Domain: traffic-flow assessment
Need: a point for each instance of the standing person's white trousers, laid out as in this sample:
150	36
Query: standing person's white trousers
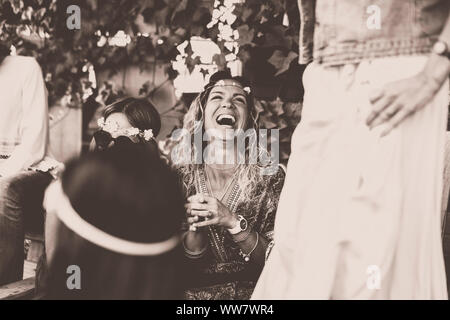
359	215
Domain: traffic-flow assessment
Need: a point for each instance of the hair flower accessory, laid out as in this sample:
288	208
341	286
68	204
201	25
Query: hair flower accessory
101	122
132	131
110	127
222	83
148	134
114	130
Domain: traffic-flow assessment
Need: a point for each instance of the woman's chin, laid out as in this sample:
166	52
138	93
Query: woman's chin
222	133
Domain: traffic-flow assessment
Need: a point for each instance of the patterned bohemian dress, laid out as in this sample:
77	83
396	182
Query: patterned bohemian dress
222	273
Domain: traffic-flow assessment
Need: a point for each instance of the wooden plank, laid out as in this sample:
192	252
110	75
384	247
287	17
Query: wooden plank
35	251
20	290
29	269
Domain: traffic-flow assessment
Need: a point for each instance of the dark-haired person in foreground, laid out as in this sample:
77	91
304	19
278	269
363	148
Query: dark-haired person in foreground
115	215
128	120
359	216
23	147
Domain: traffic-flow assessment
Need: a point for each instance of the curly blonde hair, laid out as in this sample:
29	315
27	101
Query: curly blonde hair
248	175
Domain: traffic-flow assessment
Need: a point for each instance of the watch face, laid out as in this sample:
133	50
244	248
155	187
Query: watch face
243	224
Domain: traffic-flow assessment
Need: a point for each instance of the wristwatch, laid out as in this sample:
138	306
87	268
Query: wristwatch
441	48
240	226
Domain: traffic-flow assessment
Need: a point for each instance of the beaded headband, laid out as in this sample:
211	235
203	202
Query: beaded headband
221	83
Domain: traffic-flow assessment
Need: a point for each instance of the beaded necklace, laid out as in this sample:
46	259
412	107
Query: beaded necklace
216	234
227	186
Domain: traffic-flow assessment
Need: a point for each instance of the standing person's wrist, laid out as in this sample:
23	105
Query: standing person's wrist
442	48
437	70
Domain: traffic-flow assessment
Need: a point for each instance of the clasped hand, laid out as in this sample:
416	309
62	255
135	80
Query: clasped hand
211	209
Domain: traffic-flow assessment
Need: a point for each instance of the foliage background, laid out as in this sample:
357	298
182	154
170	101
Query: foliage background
268	47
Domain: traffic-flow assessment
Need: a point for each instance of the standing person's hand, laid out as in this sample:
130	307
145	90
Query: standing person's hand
400	99
210	209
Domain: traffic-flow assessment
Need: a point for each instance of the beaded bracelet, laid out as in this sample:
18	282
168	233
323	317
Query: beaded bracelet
193	254
269	249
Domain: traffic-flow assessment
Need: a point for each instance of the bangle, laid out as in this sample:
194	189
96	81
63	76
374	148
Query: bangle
241	236
246	256
269	249
193	254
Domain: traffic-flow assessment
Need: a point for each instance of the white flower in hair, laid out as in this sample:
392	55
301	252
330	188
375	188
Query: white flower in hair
101	122
110	127
148	134
247	90
132	131
113	129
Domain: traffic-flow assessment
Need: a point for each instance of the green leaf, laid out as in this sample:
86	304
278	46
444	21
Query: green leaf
246	13
244	55
278	6
276	107
245	35
267	121
282	123
160	17
199	14
191	63
281	62
197	30
180	7
276	37
145	88
220	61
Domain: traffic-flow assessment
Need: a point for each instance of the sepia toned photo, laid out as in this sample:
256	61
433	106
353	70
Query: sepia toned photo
247	151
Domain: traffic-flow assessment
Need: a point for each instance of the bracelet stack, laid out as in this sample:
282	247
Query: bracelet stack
193	254
269	249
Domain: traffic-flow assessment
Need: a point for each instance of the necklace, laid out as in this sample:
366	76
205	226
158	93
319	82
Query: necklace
217	235
227	187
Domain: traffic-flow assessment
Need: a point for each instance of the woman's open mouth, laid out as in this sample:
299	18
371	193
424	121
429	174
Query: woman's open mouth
226	120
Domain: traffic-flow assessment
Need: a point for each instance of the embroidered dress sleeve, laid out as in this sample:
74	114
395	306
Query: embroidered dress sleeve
269	209
187	193
34	126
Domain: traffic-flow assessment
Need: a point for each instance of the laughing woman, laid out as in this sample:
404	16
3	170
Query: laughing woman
230	205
